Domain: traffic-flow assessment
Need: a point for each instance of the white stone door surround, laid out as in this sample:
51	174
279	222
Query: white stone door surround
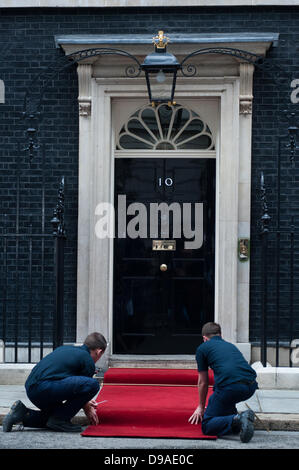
101	82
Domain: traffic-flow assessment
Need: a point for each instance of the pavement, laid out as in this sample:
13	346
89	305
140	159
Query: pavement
276	427
274	409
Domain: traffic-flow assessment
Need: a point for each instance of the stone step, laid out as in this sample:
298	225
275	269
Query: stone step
14	374
153	361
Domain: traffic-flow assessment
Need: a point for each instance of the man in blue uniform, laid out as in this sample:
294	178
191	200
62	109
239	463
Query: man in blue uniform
60	385
235	381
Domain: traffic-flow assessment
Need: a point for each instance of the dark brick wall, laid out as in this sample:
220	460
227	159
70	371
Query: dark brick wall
27	45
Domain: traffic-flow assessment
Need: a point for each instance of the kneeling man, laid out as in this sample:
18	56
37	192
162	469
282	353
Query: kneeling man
60	385
235	381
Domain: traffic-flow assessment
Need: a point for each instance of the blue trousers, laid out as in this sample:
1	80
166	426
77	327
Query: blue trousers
221	409
60	398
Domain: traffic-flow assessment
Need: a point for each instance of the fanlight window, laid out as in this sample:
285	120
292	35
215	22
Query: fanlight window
165	128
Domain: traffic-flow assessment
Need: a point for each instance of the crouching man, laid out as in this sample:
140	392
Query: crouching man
235	381
60	385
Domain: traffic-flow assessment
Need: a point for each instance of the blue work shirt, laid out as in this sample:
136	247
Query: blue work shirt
65	361
226	361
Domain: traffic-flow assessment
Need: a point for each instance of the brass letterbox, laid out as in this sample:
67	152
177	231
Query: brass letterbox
164	245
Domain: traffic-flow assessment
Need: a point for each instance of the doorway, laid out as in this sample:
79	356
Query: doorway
163	289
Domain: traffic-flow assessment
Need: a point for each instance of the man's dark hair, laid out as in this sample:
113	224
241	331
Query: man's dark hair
211	329
95	341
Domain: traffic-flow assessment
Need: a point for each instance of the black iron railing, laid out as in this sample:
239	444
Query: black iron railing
31	275
279	251
59	237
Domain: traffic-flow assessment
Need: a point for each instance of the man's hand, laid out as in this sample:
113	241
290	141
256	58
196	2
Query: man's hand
197	415
90	409
202	384
93	403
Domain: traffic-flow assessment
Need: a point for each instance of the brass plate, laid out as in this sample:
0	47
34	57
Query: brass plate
243	249
164	245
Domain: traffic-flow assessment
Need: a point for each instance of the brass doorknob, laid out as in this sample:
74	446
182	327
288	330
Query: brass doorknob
163	267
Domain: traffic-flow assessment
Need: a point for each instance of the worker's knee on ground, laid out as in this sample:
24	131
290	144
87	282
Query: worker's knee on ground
208	426
205	427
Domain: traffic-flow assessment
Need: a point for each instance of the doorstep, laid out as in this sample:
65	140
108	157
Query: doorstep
152	361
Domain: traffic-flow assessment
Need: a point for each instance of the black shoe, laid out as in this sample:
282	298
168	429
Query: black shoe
15	415
57	424
247	425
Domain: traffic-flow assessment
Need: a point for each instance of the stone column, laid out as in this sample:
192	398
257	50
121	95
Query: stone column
245	126
85	161
227	189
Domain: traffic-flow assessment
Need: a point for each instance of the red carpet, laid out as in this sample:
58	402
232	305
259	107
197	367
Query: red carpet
148	403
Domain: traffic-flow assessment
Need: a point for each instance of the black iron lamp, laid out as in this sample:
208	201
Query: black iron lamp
160	70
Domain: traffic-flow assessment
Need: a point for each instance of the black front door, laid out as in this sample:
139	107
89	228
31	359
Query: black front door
163	293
